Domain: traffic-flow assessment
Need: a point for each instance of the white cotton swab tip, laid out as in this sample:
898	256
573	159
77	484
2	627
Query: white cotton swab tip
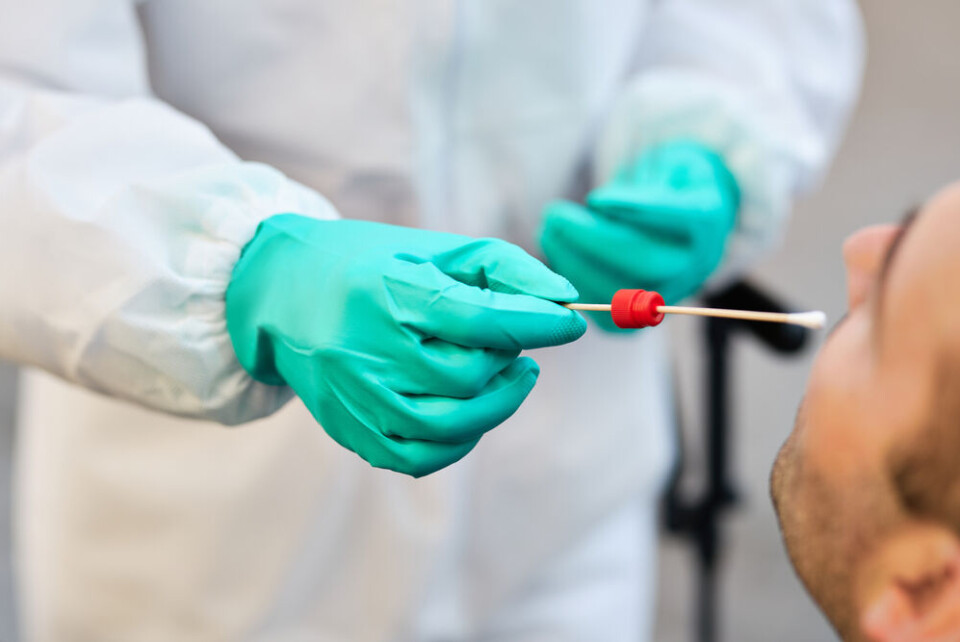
813	320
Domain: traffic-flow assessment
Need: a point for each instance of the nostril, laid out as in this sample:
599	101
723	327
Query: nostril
858	287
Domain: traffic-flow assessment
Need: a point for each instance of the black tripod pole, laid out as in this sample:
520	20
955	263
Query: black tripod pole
719	494
699	520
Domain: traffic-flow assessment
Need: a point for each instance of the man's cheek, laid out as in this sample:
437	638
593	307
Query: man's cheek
828	438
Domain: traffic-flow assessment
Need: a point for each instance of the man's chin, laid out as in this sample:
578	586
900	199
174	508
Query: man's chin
782	477
807	528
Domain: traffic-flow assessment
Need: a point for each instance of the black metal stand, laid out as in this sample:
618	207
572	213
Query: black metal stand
699	520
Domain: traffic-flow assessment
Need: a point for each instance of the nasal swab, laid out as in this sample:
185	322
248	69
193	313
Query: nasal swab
812	320
643	309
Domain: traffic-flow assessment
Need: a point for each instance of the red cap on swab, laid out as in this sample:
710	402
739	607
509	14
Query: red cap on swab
636	309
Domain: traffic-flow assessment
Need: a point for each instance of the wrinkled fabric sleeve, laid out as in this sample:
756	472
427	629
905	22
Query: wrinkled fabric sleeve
768	84
121	219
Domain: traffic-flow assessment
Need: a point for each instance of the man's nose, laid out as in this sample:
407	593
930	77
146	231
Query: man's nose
863	254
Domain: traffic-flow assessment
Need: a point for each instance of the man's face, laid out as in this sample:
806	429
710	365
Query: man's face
868	397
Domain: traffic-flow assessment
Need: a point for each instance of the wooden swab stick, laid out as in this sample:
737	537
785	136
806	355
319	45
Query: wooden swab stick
813	320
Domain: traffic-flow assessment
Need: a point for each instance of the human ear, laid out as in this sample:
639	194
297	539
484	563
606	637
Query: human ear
917	592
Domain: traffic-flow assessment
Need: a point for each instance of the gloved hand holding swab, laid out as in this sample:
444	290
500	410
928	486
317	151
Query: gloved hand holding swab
633	309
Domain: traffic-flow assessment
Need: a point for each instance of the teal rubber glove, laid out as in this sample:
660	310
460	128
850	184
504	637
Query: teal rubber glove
661	224
402	343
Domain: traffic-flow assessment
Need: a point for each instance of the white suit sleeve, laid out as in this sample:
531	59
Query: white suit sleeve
121	219
769	84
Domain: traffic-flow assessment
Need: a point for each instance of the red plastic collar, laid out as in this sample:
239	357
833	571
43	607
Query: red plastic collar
636	309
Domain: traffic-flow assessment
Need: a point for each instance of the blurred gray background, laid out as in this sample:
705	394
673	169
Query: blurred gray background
904	142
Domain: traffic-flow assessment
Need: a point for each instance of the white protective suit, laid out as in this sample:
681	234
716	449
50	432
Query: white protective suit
140	144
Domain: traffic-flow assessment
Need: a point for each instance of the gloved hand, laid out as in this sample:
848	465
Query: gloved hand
402	343
661	224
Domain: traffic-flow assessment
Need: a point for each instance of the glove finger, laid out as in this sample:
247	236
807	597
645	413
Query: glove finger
701	237
680	184
617	249
503	267
421	458
648	210
606	284
450	420
414	457
676	226
432	303
448	370
415	434
355	410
